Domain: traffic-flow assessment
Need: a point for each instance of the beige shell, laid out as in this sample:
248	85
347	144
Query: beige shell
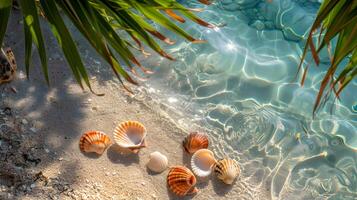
158	162
7	65
202	162
181	181
195	141
94	141
130	135
227	170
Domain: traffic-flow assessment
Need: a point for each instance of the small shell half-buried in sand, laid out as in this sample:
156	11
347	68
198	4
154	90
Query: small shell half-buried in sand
130	135
181	181
158	162
94	141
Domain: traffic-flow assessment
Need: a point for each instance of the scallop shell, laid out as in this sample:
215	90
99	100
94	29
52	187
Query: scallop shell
227	170
202	162
94	141
181	181
130	135
7	65
195	141
158	162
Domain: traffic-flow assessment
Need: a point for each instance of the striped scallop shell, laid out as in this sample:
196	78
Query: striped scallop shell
181	181
94	141
195	141
227	170
202	162
130	135
158	162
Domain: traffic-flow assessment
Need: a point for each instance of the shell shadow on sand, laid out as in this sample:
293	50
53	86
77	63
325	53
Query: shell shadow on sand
91	155
118	155
173	196
221	188
186	158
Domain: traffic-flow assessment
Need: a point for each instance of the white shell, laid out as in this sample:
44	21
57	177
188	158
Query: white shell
130	135
158	162
202	162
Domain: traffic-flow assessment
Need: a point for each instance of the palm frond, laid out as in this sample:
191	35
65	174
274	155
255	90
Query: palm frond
335	19
102	23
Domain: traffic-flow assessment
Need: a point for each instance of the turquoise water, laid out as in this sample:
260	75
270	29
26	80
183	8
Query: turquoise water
240	87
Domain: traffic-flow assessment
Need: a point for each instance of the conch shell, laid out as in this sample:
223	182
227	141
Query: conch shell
158	162
202	162
94	141
130	135
181	181
195	141
227	170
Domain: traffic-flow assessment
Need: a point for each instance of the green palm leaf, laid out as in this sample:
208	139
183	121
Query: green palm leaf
100	21
336	19
5	9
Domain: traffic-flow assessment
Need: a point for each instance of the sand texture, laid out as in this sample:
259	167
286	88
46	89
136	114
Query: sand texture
52	118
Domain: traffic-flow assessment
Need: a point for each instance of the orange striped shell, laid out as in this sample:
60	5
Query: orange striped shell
181	181
94	141
130	135
195	141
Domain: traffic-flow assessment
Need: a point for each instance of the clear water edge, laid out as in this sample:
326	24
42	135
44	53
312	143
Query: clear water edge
240	88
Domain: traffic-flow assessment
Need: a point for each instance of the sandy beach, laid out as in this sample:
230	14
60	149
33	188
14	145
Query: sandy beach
55	116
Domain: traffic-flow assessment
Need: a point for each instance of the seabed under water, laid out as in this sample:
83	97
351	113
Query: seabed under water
241	87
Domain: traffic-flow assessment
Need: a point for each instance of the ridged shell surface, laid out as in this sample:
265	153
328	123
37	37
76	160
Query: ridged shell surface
195	141
94	141
7	65
181	181
202	162
227	170
158	162
130	135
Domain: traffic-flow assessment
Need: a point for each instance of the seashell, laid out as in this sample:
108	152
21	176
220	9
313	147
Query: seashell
158	162
130	135
7	65
202	162
195	141
227	170
181	181
94	141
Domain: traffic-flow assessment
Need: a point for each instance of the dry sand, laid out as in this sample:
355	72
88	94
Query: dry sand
61	112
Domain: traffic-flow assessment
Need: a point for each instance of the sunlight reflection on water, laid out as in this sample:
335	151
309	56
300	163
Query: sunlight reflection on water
240	87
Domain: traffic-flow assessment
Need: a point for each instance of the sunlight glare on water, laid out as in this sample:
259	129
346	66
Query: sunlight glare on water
241	88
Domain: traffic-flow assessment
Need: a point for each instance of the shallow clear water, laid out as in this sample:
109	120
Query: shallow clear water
240	87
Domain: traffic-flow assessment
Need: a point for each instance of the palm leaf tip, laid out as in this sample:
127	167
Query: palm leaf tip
99	21
207	2
336	19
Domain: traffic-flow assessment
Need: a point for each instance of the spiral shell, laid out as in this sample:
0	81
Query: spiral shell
227	170
130	135
94	141
202	162
181	181
158	162
195	141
